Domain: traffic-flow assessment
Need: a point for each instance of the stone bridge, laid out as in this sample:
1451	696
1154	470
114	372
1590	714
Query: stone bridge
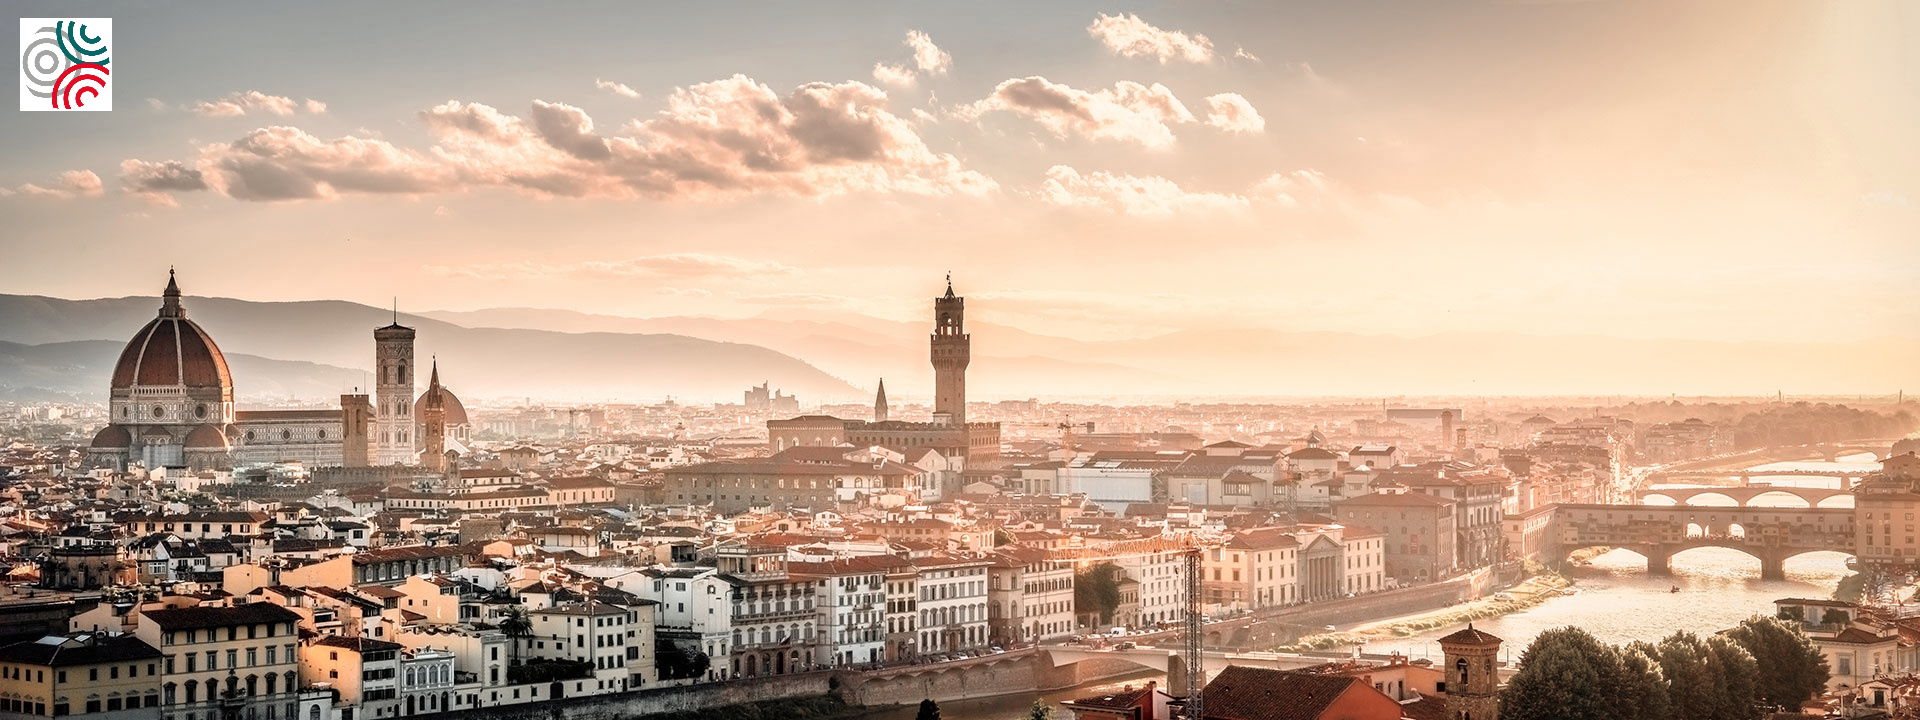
1658	532
1813	497
1848	478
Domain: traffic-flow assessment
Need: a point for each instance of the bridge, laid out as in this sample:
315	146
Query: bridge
1742	496
1851	477
1658	532
1169	661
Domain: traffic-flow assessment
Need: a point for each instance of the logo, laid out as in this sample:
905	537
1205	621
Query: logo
65	64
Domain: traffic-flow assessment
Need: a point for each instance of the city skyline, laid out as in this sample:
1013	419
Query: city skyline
1093	171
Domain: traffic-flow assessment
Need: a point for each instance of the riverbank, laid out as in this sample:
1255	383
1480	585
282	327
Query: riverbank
1532	591
816	708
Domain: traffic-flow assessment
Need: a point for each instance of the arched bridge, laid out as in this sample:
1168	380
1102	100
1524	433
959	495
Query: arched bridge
1813	497
1848	477
1658	532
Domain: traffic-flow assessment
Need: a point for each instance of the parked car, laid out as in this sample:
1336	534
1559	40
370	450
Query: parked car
1128	645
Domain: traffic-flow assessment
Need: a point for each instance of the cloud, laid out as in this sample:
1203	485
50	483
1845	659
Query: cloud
617	88
255	102
154	182
1129	112
1241	53
1884	197
927	56
899	75
720	140
65	186
286	163
677	266
1128	194
1129	36
1232	113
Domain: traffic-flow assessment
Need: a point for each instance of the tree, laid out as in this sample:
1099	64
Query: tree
1692	691
1790	668
1644	690
1040	711
929	710
1097	591
515	623
1565	674
1736	669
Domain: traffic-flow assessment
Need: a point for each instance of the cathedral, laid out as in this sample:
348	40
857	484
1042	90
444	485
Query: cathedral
171	405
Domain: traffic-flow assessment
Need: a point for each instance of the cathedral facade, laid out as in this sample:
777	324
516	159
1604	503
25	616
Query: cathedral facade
171	404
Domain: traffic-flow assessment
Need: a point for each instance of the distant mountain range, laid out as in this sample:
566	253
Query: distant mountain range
328	347
1009	362
317	349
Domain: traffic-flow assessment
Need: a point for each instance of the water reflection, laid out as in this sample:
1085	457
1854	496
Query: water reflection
1618	602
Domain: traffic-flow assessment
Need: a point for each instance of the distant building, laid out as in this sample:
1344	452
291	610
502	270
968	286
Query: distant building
949	432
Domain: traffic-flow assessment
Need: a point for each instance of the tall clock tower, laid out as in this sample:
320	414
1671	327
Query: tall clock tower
952	350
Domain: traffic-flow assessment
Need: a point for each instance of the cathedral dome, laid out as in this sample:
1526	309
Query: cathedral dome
172	351
456	414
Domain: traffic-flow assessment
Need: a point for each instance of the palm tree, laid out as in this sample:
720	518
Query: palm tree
515	623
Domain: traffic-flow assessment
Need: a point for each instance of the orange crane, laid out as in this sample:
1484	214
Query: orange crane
1190	548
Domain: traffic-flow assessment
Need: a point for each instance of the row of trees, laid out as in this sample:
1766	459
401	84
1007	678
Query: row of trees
1763	664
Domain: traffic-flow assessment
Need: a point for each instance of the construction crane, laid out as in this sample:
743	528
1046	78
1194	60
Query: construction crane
1190	549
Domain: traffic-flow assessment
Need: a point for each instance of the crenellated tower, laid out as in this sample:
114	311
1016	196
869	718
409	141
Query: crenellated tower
393	394
952	350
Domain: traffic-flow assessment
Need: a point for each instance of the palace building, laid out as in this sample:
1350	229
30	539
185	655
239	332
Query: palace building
171	402
949	433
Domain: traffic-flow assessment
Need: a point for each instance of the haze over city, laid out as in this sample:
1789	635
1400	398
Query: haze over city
1365	360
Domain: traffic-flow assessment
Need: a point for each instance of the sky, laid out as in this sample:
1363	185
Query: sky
1716	170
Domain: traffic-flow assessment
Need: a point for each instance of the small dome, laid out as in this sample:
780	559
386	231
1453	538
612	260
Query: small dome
113	437
207	437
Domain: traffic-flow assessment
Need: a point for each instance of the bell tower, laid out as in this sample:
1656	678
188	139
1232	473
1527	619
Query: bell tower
952	350
1472	675
393	394
880	403
434	417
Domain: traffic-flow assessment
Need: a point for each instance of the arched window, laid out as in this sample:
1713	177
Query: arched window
1461	666
313	713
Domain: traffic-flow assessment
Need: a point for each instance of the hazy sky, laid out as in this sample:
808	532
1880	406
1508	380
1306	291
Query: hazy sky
1729	170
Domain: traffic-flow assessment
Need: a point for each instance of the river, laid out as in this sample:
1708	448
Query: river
1617	602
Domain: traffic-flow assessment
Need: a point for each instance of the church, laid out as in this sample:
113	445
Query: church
172	405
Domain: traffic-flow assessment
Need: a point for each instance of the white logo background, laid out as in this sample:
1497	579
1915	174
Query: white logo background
42	64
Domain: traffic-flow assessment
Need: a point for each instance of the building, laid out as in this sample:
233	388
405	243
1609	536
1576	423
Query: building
393	394
1884	506
1253	693
948	432
107	677
615	640
800	477
1146	702
171	405
1418	531
226	662
1472	661
1030	596
363	671
953	602
852	598
773	617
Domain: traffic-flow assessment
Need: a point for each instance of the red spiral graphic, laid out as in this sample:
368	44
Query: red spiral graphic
79	82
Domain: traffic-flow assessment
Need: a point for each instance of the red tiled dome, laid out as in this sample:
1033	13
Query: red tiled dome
207	437
456	413
113	437
172	350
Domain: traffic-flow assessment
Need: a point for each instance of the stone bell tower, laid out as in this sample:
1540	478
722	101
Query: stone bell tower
1472	675
393	394
952	350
